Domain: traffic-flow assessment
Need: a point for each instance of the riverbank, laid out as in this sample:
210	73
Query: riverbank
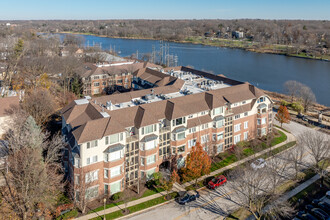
250	46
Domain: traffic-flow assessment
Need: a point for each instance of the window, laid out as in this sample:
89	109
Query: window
94	159
204	138
91	176
96	77
203	113
179	121
92	144
246	135
96	84
148	129
219	148
192	130
237	139
116	155
88	145
120	81
190	116
270	117
205	126
243	102
116	138
106	188
217	111
246	125
191	143
181	149
237	128
261	99
218	124
263	131
115	171
92	192
181	136
220	136
142	161
150	145
151	159
246	114
237	116
96	91
77	179
106	173
149	173
259	121
115	187
106	140
263	121
173	150
104	83
235	104
88	161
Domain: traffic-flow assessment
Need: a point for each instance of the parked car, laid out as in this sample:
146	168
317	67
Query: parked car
259	163
315	202
309	207
328	194
324	206
188	197
299	214
217	181
320	214
308	216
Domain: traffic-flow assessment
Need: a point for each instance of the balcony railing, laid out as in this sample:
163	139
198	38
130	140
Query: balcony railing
132	138
165	129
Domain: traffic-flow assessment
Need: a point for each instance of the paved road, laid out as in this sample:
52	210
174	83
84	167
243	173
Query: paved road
215	204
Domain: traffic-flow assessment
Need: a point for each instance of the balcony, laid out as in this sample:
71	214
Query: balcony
165	129
228	112
132	138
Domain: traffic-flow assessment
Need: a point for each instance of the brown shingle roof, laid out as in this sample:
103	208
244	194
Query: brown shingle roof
198	121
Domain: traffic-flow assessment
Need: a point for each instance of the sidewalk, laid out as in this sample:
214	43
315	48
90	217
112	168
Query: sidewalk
290	138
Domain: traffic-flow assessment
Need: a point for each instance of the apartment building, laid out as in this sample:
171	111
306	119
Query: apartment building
114	140
110	77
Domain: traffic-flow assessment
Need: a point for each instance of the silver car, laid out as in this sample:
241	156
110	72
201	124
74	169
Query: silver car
259	163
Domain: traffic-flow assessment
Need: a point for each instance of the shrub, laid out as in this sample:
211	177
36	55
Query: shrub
285	103
296	106
116	196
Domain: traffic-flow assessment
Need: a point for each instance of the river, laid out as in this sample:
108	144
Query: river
266	71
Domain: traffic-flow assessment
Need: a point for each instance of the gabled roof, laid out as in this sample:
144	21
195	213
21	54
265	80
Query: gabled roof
198	121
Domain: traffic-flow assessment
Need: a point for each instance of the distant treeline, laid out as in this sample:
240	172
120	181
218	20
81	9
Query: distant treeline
306	35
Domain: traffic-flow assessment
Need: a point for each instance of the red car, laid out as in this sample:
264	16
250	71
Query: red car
217	181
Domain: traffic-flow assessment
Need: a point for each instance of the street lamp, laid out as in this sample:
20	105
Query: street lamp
104	201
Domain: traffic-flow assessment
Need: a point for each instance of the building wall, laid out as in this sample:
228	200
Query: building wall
98	151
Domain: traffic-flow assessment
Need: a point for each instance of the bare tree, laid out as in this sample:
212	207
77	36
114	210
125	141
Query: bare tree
295	157
33	180
251	191
318	145
307	96
40	105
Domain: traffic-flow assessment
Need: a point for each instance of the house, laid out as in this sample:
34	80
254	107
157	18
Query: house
116	140
237	34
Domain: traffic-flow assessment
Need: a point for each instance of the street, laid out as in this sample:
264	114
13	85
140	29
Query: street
215	204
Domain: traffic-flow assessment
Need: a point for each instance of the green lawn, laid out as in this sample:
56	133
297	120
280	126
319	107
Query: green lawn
231	158
72	214
136	208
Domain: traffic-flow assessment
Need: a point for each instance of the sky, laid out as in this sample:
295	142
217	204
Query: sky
168	9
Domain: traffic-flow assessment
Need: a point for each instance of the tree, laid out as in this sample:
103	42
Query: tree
307	96
33	179
282	115
251	191
198	163
295	157
318	145
292	87
297	107
40	105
